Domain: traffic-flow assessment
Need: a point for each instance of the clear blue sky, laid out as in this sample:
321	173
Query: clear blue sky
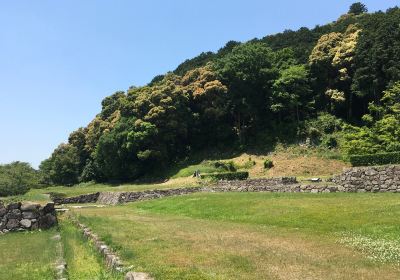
59	59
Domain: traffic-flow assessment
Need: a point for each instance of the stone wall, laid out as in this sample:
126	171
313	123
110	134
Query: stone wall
358	179
27	216
111	258
84	198
370	179
153	194
262	186
256	183
113	198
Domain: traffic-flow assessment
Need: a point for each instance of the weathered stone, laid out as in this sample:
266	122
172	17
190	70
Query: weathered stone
3	211
12	224
30	215
14	214
15	205
30	207
26	223
49	208
47	221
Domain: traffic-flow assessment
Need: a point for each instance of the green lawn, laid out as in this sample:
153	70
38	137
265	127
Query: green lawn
82	259
256	235
29	255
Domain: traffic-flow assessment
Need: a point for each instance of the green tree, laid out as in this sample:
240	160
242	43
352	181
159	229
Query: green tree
292	94
63	167
358	8
249	74
17	178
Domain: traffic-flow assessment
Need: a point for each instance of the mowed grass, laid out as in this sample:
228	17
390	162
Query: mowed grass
29	255
82	259
252	235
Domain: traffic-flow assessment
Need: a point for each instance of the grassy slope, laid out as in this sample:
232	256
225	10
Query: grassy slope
29	256
83	261
292	161
248	235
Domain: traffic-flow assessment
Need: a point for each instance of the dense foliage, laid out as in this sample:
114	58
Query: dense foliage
17	178
336	85
375	159
227	176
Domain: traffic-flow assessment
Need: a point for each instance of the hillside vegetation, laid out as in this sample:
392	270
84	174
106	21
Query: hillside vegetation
335	87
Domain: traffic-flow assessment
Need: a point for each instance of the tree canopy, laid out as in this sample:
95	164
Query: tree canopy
336	80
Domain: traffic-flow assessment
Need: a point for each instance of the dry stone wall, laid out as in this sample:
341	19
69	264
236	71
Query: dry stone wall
27	216
370	179
153	194
84	198
358	179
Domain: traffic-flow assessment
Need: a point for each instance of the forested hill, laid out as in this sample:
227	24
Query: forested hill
336	85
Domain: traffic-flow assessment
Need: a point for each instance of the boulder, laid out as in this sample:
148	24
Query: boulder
30	207
47	221
49	208
12	224
30	215
15	205
26	223
14	214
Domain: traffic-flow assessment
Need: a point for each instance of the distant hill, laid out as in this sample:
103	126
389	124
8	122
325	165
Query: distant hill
336	85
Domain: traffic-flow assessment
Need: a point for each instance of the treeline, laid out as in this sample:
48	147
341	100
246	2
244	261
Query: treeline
335	81
17	178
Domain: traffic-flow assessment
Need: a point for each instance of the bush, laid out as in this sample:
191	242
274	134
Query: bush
330	142
375	159
268	163
226	166
228	176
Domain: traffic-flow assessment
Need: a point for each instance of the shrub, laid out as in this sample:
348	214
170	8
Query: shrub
228	176
56	195
330	142
226	166
268	163
375	159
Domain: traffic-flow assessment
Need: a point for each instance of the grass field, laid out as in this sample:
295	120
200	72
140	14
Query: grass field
82	259
256	235
28	256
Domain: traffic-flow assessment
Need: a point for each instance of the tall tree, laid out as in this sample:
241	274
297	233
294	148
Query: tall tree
358	8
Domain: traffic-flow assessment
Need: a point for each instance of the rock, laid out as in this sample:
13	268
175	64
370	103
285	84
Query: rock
47	221
30	207
26	223
3	211
49	208
12	206
35	224
30	215
137	276
14	214
12	224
